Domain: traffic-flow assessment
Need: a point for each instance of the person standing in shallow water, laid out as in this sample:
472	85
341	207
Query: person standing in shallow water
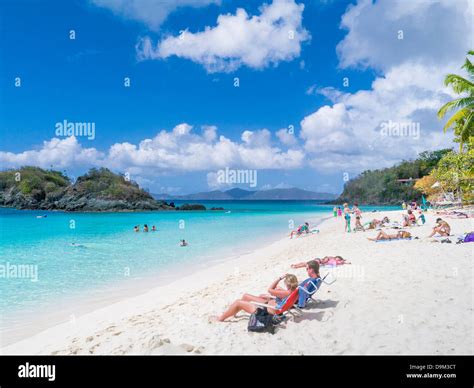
339	211
334	211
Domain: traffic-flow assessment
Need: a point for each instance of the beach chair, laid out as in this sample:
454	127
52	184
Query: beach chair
289	304
316	287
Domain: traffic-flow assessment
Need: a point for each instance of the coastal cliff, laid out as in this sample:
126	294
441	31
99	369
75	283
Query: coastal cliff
97	191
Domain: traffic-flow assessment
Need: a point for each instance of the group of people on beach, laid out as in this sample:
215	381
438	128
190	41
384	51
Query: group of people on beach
414	216
411	206
277	295
442	228
348	212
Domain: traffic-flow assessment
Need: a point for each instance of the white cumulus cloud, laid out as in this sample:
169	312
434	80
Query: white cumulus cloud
238	39
59	153
346	135
174	151
433	31
150	12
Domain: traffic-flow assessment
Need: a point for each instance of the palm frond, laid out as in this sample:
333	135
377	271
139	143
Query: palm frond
459	84
469	68
467	129
456	118
456	104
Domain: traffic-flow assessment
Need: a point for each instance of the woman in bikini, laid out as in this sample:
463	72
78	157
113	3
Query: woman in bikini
327	260
385	236
280	294
442	228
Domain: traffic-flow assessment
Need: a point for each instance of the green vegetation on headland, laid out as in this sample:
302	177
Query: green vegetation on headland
98	190
34	182
443	176
384	187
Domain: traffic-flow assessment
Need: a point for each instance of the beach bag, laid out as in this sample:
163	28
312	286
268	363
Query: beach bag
469	237
261	322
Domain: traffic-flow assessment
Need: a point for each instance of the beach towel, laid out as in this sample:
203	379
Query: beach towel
394	239
469	237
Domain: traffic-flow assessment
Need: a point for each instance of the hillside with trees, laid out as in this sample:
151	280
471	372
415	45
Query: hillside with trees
98	190
444	175
384	187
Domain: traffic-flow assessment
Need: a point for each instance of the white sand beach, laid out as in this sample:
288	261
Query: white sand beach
397	297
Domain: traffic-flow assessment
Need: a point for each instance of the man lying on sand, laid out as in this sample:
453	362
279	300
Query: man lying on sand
385	236
327	260
281	294
442	228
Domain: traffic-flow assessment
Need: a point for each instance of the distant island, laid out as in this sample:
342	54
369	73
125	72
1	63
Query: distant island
100	190
256	195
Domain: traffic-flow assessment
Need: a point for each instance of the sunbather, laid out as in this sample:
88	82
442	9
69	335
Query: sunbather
327	260
409	219
442	228
300	230
385	236
291	283
377	223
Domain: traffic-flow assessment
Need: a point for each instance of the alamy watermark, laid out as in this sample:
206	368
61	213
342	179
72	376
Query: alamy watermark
231	176
19	271
354	271
66	129
400	129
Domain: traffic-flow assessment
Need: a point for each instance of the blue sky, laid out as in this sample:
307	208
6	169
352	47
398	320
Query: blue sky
188	85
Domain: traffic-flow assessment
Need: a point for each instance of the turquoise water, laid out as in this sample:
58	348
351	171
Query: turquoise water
109	252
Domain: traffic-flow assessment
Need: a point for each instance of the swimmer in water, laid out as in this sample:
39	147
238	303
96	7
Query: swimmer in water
183	243
77	245
136	229
145	228
153	228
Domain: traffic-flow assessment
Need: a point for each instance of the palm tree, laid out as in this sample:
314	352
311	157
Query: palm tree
463	120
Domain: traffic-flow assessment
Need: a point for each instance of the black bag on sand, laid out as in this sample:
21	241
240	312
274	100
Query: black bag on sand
261	322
